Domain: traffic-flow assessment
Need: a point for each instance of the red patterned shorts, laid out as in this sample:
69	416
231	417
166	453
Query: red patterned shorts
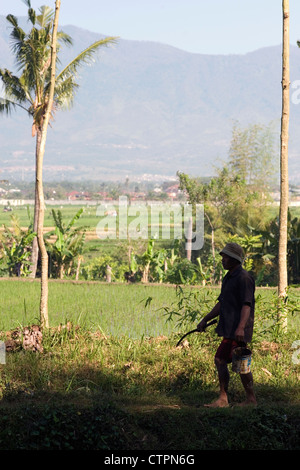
225	349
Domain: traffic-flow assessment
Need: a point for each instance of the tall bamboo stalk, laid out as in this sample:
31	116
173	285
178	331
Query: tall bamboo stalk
284	180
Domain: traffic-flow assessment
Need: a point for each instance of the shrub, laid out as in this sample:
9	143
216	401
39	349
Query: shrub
97	269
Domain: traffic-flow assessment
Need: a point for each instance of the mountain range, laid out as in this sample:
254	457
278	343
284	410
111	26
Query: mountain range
146	108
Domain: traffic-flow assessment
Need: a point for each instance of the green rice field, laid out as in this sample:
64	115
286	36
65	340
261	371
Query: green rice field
118	309
114	309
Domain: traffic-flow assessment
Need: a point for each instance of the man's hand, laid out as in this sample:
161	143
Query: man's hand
202	325
212	314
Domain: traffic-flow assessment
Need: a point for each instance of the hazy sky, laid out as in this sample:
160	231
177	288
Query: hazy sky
200	26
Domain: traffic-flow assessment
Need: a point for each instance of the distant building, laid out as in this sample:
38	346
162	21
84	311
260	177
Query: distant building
173	191
76	195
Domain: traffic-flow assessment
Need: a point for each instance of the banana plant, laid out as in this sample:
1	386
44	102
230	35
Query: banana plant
202	274
15	246
152	263
250	244
68	243
145	261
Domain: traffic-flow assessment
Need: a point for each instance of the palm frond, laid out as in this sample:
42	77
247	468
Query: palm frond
17	35
64	38
12	20
27	3
85	57
65	91
46	16
14	87
6	106
32	16
15	94
32	52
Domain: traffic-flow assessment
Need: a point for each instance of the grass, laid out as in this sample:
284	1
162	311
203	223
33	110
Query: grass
114	309
146	394
113	379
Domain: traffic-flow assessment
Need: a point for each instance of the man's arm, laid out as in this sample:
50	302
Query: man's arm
240	331
212	314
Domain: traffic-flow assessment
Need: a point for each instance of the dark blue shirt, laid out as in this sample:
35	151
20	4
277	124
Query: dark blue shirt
237	290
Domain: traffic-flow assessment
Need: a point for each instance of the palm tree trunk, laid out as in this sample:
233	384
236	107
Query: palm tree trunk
35	247
284	181
44	319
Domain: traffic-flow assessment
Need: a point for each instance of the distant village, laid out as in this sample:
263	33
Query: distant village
170	193
72	192
92	192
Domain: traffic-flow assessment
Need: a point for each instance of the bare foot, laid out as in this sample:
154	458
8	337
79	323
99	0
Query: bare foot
220	403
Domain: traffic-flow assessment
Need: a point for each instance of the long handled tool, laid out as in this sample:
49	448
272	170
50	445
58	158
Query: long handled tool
194	331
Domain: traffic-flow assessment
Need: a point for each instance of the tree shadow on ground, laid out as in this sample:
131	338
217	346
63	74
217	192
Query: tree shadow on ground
103	413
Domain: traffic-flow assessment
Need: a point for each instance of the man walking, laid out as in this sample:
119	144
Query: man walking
235	308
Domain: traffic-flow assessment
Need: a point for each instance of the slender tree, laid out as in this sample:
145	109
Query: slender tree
30	90
284	181
44	319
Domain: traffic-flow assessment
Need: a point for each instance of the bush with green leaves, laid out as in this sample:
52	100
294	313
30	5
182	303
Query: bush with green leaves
15	249
68	244
96	270
183	271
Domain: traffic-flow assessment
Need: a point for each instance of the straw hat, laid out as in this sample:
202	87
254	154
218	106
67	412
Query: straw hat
234	251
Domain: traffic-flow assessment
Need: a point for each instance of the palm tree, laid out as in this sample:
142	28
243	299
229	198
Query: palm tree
30	90
44	318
